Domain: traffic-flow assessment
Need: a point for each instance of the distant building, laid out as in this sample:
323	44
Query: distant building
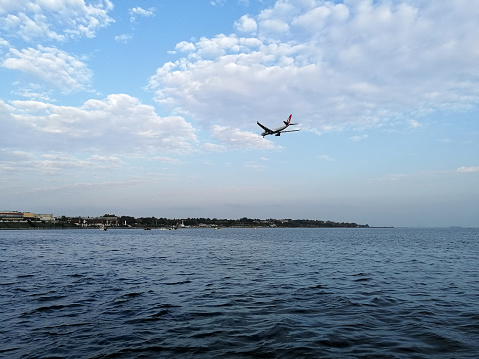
109	221
13	216
46	217
38	217
16	216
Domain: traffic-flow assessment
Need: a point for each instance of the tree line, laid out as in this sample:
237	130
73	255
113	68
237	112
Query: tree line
112	220
241	222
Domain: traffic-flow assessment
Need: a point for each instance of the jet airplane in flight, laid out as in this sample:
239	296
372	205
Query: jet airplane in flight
278	130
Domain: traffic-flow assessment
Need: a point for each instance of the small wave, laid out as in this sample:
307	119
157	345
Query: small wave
50	298
177	283
206	314
335	343
127	297
49	308
25	275
159	315
6	350
384	301
206	334
132	294
75	275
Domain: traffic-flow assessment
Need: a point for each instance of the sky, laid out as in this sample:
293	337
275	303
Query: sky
149	108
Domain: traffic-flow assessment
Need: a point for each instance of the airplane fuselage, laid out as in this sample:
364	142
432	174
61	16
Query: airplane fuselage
277	130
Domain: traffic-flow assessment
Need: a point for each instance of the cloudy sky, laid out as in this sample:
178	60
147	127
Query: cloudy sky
149	108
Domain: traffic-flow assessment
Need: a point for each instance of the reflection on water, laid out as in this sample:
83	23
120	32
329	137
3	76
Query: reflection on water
396	293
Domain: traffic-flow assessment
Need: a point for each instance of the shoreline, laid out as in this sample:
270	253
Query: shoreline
234	227
163	228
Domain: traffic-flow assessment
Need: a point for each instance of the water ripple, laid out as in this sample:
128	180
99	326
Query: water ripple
279	293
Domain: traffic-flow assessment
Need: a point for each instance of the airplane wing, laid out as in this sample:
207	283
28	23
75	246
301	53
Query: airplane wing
263	127
291	131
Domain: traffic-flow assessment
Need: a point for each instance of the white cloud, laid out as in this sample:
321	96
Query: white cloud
109	159
357	64
214	147
33	92
217	2
84	187
19	162
471	169
58	162
9	155
217	46
3	43
254	166
238	139
273	27
50	65
325	157
427	174
414	124
166	159
138	11
118	124
185	46
246	24
319	17
57	20
358	138
123	38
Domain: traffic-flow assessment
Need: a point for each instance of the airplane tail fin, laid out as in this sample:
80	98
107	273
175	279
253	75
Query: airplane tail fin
287	122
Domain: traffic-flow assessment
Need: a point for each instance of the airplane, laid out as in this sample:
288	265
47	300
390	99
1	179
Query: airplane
278	130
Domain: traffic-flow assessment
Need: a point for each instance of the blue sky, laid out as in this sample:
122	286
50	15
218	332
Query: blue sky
149	108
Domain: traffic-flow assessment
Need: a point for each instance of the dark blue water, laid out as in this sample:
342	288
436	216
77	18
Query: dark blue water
278	293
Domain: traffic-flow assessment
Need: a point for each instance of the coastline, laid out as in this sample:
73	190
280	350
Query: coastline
28	228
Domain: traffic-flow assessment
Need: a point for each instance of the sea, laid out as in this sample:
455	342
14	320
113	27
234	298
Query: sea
240	293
